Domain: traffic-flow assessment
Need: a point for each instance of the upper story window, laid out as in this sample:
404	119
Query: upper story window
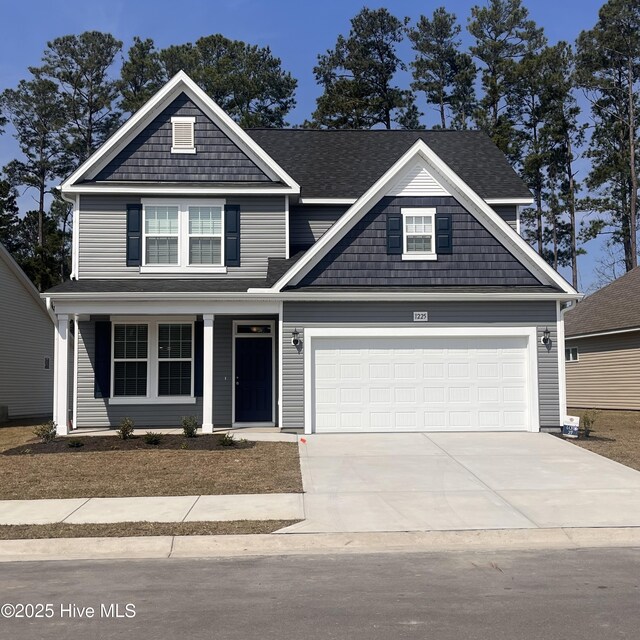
183	138
571	354
418	234
183	236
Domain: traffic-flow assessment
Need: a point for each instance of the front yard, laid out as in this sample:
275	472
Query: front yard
615	435
112	469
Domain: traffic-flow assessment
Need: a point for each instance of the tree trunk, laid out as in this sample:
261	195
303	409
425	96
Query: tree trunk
443	120
572	213
633	199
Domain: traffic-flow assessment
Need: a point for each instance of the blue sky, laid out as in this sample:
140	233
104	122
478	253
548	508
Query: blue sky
296	31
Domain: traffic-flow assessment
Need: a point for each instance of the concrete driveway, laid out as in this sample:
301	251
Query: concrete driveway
449	481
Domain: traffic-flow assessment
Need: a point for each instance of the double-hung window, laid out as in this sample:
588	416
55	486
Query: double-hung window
418	234
153	360
183	236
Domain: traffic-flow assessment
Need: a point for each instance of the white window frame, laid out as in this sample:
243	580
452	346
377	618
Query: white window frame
183	265
410	212
570	358
114	359
183	120
153	361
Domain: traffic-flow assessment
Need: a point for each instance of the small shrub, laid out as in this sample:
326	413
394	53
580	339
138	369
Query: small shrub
46	432
152	438
190	426
125	430
184	445
588	420
75	443
227	440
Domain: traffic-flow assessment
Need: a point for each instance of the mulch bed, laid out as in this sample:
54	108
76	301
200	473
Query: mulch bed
87	444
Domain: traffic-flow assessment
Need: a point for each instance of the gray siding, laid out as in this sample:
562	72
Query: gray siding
360	257
102	237
509	213
301	315
26	339
148	156
308	223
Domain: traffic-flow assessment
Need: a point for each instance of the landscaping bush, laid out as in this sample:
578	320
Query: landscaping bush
587	421
125	430
46	432
190	426
75	443
227	440
152	438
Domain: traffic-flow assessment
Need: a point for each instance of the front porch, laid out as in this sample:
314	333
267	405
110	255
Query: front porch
223	368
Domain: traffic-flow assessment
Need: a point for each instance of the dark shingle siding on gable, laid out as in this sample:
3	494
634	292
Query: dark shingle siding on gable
148	156
344	164
360	258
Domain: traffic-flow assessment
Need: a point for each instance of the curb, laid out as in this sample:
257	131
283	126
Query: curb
226	546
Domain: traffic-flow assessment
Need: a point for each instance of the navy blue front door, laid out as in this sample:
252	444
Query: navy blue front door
254	380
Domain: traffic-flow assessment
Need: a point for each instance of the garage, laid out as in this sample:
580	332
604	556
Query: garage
416	380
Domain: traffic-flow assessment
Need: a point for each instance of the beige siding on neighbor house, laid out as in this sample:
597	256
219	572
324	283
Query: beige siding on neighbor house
607	374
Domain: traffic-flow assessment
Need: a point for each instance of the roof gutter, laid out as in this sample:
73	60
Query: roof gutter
602	333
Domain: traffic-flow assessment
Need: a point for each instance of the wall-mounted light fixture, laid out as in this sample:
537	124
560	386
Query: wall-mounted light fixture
546	337
295	337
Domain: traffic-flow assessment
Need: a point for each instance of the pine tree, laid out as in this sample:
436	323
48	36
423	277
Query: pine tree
141	74
8	216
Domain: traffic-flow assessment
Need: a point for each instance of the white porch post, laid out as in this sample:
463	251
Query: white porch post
61	400
207	373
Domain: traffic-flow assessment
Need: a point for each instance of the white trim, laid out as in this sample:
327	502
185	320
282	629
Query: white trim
422	212
179	83
515	201
328	200
133	400
280	363
424	332
286	228
180	189
61	415
459	189
602	333
208	320
183	120
76	343
248	336
562	378
172	268
75	238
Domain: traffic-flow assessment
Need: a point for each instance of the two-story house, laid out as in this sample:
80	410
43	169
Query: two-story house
320	280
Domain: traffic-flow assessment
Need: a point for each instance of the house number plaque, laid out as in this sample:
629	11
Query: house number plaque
420	316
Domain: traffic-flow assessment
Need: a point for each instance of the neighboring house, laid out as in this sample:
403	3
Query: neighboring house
325	280
602	349
26	345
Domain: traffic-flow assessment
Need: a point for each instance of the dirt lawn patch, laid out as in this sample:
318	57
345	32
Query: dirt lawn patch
615	435
258	467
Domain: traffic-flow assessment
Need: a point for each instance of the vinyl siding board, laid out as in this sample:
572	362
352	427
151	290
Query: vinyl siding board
148	156
26	339
607	374
307	224
102	237
301	315
360	258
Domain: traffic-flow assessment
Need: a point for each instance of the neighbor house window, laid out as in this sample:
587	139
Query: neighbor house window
418	233
571	354
130	359
175	358
183	235
183	138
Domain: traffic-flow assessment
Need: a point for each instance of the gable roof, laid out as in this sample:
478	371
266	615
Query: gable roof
21	277
615	307
459	189
180	83
345	163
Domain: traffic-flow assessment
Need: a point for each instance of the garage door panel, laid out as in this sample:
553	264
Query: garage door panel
444	383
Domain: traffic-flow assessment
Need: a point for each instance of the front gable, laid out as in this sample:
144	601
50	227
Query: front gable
361	256
149	157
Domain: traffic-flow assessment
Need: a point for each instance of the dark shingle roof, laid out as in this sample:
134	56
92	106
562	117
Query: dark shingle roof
345	163
157	285
616	306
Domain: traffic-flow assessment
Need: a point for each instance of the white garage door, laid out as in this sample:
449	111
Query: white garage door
420	384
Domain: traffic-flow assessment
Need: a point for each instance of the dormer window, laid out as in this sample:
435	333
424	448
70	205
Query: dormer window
183	140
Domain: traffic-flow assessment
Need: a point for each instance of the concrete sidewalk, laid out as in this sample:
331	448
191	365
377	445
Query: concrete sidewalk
264	506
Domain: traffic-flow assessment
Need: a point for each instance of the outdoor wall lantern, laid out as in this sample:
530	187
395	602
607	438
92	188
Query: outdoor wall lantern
546	337
295	337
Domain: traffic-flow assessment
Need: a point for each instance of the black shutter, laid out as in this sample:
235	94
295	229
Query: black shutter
134	235
394	233
232	235
444	243
198	354
102	362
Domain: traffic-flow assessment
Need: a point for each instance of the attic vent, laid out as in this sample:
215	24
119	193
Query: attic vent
183	137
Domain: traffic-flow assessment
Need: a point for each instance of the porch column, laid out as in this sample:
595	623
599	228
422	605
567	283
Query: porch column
61	371
207	373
